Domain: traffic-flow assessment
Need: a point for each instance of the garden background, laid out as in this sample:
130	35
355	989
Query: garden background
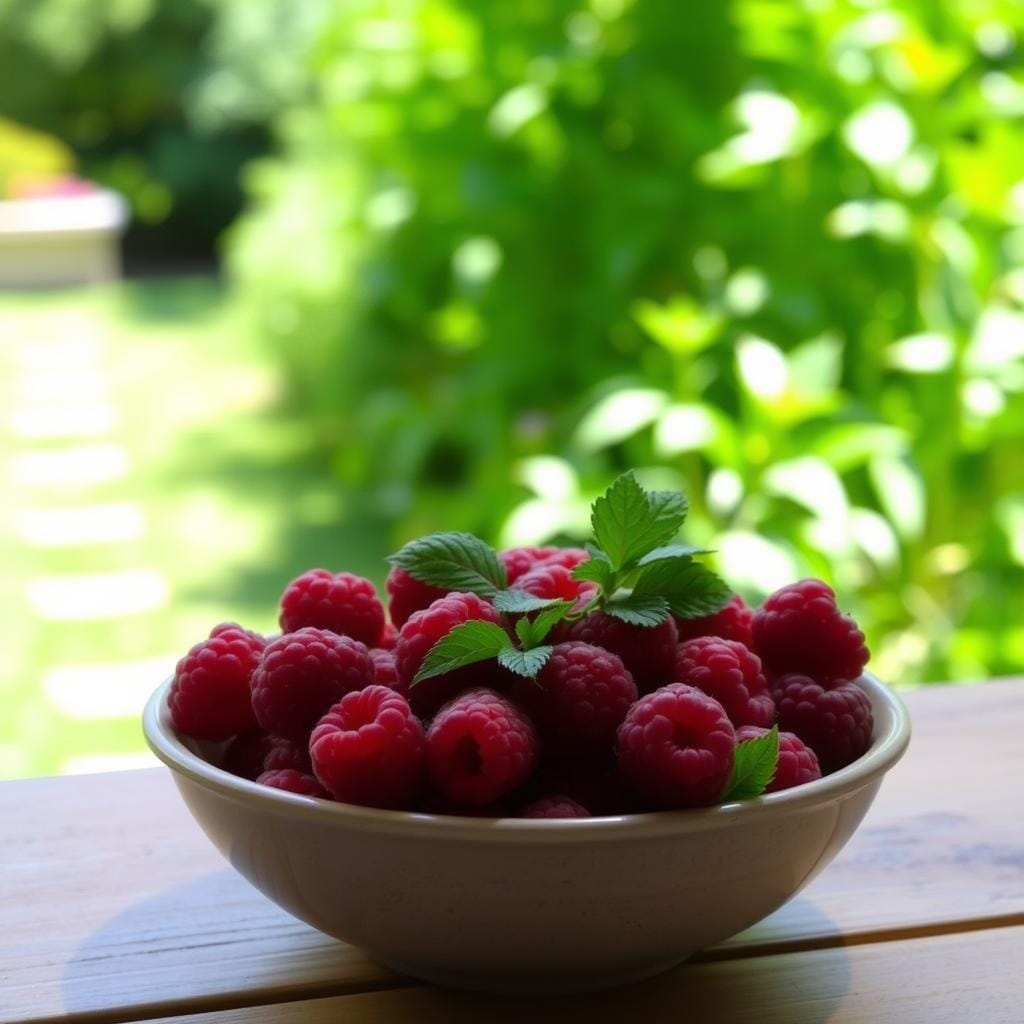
402	266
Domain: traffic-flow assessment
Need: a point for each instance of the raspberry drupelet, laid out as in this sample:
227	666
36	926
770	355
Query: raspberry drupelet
284	753
729	672
733	622
343	603
649	652
797	762
384	671
407	595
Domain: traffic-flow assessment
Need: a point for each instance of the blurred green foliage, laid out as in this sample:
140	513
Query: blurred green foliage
773	252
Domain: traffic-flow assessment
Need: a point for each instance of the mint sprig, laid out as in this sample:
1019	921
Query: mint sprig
453	561
629	521
754	767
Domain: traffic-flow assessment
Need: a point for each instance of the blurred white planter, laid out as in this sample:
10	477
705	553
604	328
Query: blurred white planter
61	240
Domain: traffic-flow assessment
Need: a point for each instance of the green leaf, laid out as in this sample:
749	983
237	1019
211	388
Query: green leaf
531	633
467	643
514	602
524	663
638	609
691	589
524	630
672	551
596	570
754	768
628	522
454	561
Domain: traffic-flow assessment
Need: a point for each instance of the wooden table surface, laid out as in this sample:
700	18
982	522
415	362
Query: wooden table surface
115	908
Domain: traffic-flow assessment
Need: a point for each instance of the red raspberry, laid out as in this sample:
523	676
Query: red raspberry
593	783
676	747
344	604
649	652
369	750
733	622
294	782
419	635
729	672
285	754
388	637
836	723
209	697
301	675
578	699
797	762
800	629
384	671
550	580
407	595
568	558
244	755
480	747
555	806
519	561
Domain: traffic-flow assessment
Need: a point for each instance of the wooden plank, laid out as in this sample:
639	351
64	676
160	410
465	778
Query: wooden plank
113	904
938	980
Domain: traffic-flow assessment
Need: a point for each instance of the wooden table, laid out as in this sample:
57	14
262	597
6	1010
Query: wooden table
114	907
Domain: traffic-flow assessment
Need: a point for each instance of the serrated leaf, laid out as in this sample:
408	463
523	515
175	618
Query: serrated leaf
691	589
594	551
453	561
754	767
638	609
467	643
628	522
672	551
531	632
524	630
524	663
596	570
514	602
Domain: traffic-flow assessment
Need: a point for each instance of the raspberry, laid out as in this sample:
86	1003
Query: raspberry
244	755
285	754
578	699
407	595
554	806
294	782
797	762
369	750
551	580
519	561
301	675
729	672
480	747
649	652
344	604
419	635
800	629
568	558
384	671
387	638
594	783
836	723
733	622
209	697
676	747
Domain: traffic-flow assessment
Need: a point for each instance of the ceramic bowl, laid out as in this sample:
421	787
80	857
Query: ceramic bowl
528	905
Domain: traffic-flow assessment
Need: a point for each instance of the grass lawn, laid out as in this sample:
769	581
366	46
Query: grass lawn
153	486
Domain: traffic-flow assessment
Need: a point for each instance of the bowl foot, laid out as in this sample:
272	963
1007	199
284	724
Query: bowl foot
526	986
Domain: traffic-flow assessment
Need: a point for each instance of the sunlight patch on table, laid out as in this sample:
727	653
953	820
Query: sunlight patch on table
90	764
106	595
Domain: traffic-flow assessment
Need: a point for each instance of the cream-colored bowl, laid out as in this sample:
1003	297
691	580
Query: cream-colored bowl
526	905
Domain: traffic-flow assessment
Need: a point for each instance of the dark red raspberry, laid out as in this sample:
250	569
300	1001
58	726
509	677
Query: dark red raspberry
388	637
568	558
420	634
244	755
294	782
800	629
593	782
733	622
519	561
301	675
578	699
836	723
209	696
676	748
407	595
797	762
729	672
649	652
384	671
285	754
480	747
555	581
369	750
554	806
343	603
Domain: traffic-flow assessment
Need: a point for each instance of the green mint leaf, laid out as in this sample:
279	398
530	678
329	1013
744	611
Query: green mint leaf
454	561
524	630
524	663
531	633
594	551
467	643
672	551
638	609
691	589
754	768
513	602
628	522
596	570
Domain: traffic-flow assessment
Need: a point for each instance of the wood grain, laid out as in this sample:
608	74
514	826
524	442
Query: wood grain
939	980
113	905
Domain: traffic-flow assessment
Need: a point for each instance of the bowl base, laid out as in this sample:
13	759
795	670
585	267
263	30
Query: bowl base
527	986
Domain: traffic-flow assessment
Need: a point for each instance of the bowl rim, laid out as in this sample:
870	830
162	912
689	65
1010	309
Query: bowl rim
885	750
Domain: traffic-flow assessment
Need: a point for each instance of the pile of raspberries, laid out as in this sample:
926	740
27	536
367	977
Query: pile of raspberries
621	719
